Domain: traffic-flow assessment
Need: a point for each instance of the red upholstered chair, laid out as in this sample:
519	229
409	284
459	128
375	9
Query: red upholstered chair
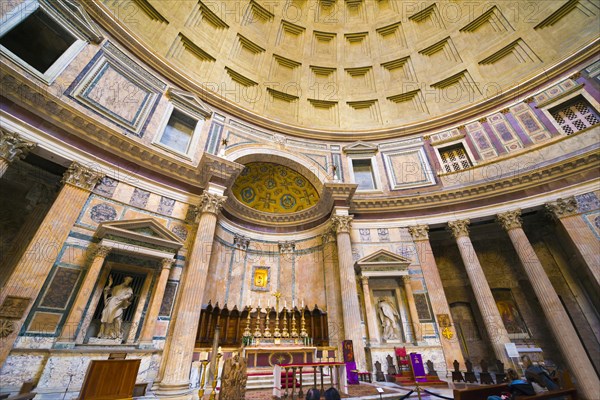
403	359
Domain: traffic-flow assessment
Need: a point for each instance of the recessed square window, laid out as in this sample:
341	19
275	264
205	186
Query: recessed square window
575	115
454	158
38	40
179	131
363	174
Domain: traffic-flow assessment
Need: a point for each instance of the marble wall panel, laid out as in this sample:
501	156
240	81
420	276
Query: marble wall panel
168	299
61	288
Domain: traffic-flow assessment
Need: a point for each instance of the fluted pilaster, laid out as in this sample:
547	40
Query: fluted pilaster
69	330
351	309
558	319
178	357
374	336
412	309
41	252
156	302
483	294
435	290
587	245
332	289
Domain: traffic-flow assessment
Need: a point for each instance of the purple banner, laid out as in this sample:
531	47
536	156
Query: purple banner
417	365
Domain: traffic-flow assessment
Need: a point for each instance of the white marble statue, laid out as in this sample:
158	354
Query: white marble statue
112	314
389	318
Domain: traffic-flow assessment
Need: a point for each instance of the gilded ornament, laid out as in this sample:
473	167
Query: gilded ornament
459	228
510	219
447	333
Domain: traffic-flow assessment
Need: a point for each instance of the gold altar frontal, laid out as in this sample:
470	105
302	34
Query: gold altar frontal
270	353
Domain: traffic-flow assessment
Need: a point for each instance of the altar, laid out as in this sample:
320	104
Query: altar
269	355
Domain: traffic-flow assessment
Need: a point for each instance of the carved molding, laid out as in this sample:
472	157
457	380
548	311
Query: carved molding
405	279
328	237
102	252
510	219
167	263
589	161
6	327
341	223
419	232
211	203
562	208
241	242
289	246
82	177
13	147
459	228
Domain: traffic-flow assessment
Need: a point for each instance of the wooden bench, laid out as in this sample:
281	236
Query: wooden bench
482	392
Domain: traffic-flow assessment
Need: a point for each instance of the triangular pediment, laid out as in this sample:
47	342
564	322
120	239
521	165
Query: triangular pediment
361	147
147	230
383	257
72	13
190	103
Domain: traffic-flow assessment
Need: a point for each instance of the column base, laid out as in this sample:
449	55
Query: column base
173	390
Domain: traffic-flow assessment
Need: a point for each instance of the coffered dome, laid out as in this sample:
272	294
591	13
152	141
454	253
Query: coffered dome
318	68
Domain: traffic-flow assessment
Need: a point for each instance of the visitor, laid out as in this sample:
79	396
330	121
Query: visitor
517	386
332	394
541	372
313	394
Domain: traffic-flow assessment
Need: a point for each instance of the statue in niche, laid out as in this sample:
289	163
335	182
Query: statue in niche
112	314
389	318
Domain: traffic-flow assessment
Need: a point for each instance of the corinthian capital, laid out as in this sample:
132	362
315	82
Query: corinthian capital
419	232
510	219
459	228
13	147
81	177
341	223
211	203
102	251
562	208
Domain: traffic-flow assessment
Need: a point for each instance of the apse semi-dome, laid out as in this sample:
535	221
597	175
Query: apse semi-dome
274	188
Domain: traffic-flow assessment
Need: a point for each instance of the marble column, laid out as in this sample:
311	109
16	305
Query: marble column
374	337
69	330
178	356
587	245
349	291
156	302
565	335
483	294
412	309
435	290
12	148
332	290
40	253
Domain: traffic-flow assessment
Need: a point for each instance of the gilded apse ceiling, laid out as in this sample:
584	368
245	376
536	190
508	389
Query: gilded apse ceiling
274	188
339	68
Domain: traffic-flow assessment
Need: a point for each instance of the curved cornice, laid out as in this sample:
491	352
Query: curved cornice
524	89
486	191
